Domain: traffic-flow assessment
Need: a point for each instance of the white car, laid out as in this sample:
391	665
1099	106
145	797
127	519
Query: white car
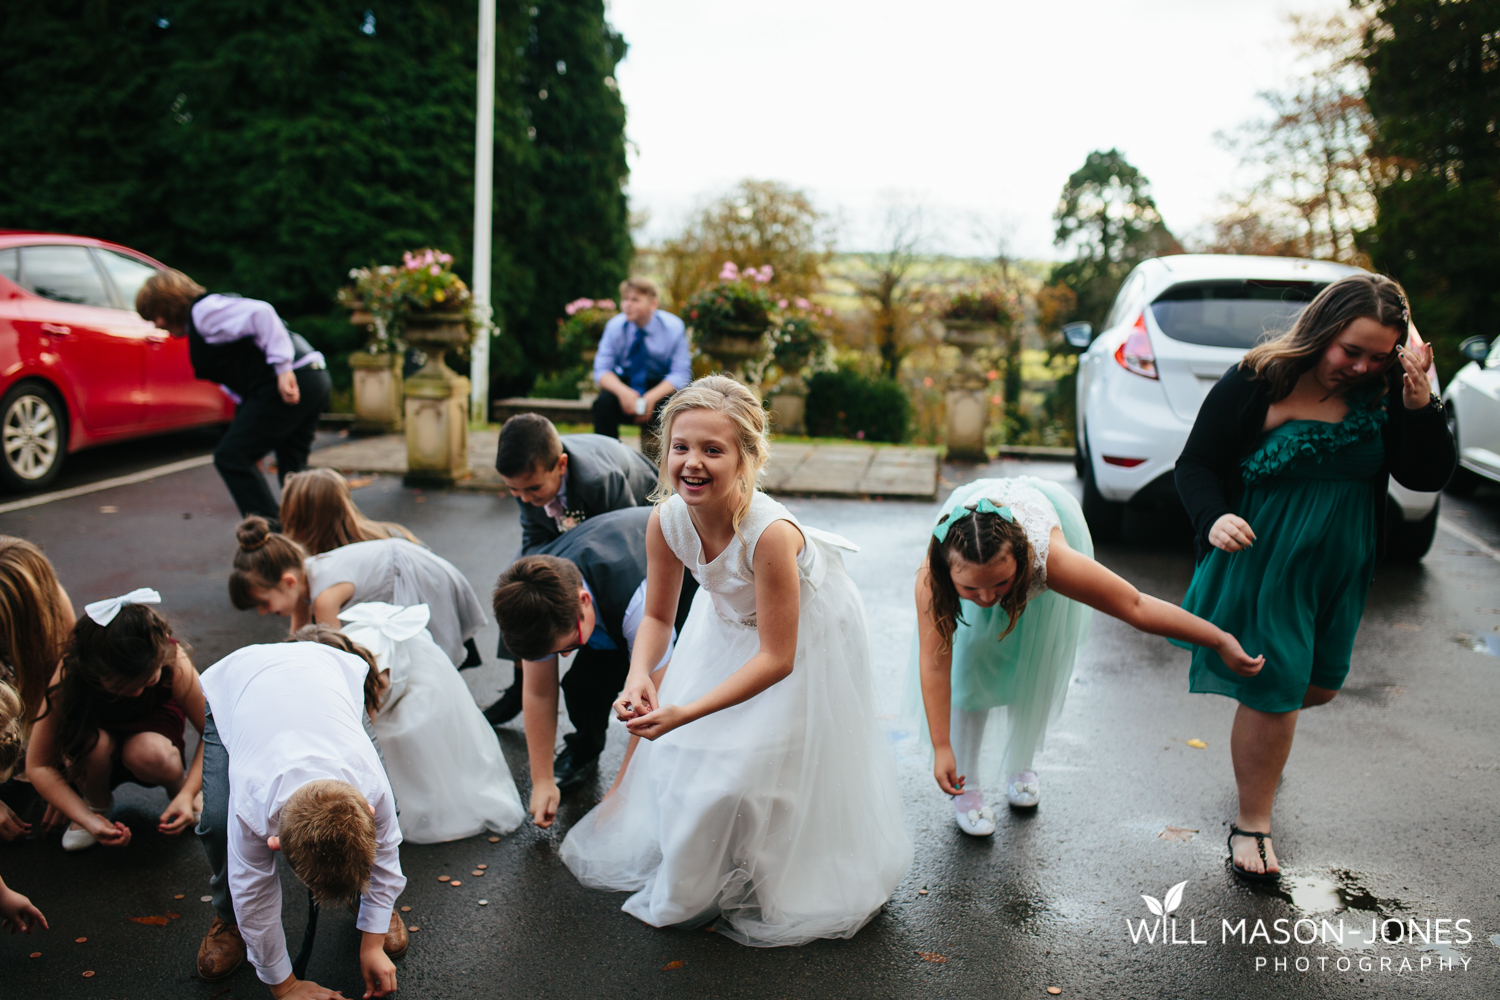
1473	399
1176	327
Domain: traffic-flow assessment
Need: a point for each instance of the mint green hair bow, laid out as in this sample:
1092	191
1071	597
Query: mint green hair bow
958	510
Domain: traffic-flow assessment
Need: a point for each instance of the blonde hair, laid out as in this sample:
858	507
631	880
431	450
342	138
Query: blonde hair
741	405
318	513
328	837
12	726
34	625
641	286
168	295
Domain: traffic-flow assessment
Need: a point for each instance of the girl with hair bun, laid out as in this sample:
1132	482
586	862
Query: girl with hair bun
1003	602
763	794
115	712
276	576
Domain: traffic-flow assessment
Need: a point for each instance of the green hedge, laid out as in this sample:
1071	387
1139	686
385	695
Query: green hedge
847	404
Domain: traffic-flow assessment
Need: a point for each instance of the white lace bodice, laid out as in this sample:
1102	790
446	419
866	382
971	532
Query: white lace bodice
1032	511
729	578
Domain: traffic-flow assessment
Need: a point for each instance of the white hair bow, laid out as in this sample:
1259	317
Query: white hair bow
379	626
103	612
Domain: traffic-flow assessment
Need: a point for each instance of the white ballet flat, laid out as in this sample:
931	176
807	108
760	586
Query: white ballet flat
1023	792
976	822
76	838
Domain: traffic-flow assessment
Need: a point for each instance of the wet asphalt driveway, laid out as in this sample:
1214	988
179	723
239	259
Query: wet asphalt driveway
1388	811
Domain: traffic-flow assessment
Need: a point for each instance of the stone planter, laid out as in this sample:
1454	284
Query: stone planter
732	346
378	397
968	409
789	405
437	402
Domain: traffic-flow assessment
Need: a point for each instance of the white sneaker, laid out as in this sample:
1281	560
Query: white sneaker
976	822
1023	791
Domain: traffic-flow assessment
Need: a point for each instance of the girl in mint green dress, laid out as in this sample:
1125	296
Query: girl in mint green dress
1285	476
1003	603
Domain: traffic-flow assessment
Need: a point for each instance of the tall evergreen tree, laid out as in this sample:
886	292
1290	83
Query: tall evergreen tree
1434	91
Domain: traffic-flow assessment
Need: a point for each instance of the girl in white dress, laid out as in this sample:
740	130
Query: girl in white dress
765	792
274	575
1003	602
444	761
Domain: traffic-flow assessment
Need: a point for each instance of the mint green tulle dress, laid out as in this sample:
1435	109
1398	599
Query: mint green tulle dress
1019	683
1298	593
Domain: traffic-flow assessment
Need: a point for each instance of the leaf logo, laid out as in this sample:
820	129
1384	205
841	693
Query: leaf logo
1161	908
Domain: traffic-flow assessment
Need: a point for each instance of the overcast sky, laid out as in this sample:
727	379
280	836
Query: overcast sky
978	108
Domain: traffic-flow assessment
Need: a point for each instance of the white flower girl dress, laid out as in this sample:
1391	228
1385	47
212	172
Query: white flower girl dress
780	816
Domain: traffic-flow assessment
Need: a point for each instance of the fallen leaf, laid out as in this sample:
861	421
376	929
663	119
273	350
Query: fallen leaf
406	909
1176	833
1197	744
89	974
152	921
932	956
455	882
79	940
674	964
360	483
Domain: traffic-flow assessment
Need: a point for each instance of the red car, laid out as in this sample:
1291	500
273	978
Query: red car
78	366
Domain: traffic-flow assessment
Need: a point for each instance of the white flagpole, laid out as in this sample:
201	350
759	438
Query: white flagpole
484	186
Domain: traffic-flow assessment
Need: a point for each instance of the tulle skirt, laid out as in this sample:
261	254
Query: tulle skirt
780	816
1021	680
443	759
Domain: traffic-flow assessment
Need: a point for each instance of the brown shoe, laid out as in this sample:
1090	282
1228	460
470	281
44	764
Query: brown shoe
396	939
222	951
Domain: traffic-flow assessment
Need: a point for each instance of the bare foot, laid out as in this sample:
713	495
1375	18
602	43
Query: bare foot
1247	854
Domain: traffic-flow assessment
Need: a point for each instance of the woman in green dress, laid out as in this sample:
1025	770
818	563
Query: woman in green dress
1285	476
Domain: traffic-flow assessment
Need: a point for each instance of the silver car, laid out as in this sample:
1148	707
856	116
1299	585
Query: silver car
1175	328
1473	399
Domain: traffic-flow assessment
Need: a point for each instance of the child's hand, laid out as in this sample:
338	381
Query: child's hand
376	966
178	816
17	913
657	723
638	699
11	825
1236	659
544	800
107	833
945	770
286	384
53	818
1231	533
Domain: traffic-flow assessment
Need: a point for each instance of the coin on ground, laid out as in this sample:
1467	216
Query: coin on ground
406	909
1054	990
455	882
444	878
414	928
88	974
494	840
484	902
79	940
476	872
36	954
179	896
481	867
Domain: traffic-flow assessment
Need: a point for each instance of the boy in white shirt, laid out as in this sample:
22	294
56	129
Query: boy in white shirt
289	767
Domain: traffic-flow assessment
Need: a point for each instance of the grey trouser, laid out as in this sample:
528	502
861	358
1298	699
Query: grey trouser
213	825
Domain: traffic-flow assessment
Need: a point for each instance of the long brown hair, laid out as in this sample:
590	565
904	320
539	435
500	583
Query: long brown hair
168	295
976	537
100	657
318	513
262	557
1284	360
33	621
328	636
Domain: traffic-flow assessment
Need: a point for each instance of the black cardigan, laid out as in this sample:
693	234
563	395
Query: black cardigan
1419	451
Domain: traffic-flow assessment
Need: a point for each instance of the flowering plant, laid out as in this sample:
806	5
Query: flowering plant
738	305
424	282
976	305
798	340
578	335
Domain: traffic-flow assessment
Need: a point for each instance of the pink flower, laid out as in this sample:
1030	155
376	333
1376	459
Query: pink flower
445	258
578	305
763	275
860	435
605	304
781	303
827	311
434	270
803	303
729	272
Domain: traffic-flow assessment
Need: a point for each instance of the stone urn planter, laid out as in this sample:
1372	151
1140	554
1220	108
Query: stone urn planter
968	409
789	405
436	401
378	400
732	346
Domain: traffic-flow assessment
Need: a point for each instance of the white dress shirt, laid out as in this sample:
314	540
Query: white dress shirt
289	713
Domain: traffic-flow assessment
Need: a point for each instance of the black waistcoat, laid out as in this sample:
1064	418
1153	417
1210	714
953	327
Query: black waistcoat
239	365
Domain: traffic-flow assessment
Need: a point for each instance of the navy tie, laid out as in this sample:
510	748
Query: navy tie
636	362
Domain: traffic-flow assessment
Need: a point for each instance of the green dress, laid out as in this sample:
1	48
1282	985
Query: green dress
1298	593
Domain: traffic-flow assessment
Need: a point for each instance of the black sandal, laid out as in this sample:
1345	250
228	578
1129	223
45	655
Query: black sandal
1260	844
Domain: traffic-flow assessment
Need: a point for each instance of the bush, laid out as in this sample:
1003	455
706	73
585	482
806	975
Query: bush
847	404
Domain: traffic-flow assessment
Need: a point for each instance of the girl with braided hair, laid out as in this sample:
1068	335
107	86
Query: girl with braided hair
1003	602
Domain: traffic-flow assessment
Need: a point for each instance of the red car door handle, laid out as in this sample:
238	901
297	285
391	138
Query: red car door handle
56	329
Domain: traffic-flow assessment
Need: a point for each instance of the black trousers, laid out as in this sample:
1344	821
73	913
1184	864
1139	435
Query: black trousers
589	690
265	423
608	416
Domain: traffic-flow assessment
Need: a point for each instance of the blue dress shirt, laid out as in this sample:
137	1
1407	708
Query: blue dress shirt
666	349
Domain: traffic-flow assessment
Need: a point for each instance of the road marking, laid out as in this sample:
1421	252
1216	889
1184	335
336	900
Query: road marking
108	484
1466	536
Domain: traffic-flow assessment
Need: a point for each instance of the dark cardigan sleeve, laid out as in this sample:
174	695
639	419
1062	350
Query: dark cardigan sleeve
1419	450
1208	470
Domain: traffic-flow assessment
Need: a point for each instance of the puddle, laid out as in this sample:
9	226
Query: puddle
1444	951
1484	642
1344	891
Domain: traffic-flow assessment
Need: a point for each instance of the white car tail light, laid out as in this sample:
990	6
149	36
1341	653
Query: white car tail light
1136	355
